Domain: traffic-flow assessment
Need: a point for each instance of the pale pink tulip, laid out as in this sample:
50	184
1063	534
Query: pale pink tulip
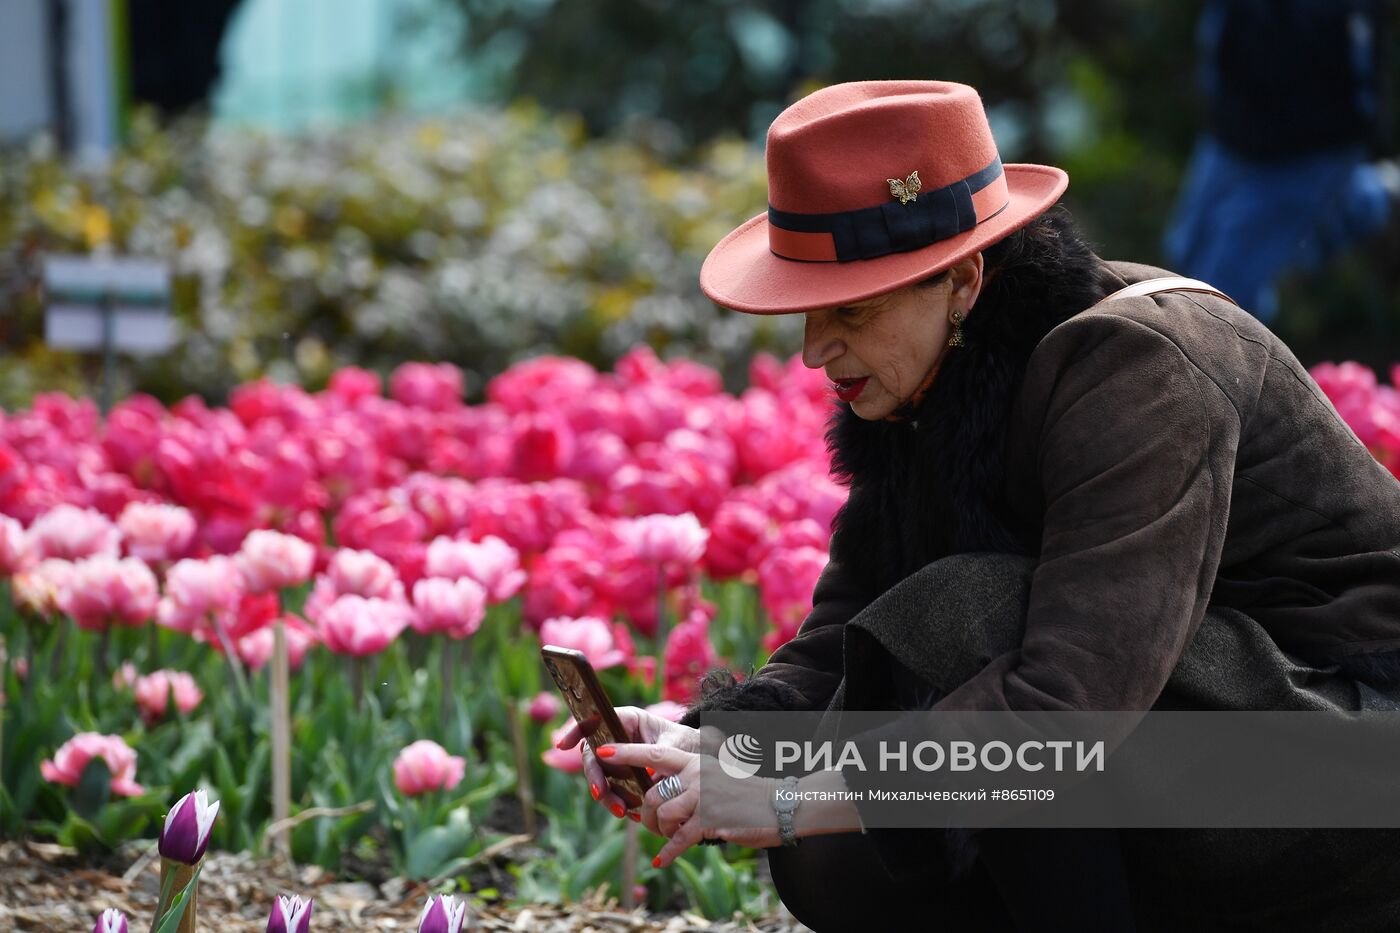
199	592
425	766
455	608
256	648
153	693
16	553
357	626
270	561
491	562
39	587
103	590
125	676
354	573
569	760
71	533
156	532
72	757
664	539
591	635
667	709
544	707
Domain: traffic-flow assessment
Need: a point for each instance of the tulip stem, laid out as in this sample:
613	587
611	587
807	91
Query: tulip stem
281	737
239	679
174	875
446	684
523	785
629	866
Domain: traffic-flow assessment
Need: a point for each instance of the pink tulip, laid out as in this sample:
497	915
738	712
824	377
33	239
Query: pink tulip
125	676
689	655
351	384
664	539
543	444
103	590
569	760
491	562
528	385
72	757
737	534
424	385
544	707
425	766
71	533
273	561
156	532
455	608
786	580
16	553
378	520
153	693
39	587
200	592
668	709
256	648
357	626
591	635
357	573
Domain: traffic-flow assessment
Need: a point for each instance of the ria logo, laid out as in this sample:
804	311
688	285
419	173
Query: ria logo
741	755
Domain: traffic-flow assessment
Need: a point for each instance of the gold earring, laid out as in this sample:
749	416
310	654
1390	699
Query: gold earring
957	339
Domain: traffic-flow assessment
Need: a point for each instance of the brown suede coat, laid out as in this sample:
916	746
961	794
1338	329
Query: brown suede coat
1172	453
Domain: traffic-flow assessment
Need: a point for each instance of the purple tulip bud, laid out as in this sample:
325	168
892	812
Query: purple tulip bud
111	921
185	835
291	915
442	915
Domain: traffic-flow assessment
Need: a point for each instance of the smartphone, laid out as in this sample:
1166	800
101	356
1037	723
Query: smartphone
588	701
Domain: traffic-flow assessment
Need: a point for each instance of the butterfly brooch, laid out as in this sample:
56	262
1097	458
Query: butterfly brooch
906	190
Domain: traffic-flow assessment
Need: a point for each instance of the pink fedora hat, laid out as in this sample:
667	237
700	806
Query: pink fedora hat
872	186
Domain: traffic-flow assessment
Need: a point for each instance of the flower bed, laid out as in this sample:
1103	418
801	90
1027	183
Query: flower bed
412	552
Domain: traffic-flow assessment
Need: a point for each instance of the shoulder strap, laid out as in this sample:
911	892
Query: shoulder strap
1168	283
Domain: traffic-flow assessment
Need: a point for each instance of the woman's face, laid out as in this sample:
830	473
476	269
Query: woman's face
876	352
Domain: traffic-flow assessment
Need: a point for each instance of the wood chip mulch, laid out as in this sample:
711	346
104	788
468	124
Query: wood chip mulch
50	888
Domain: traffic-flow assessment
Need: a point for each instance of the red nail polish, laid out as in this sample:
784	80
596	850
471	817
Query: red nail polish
606	751
656	862
636	817
593	789
651	772
618	811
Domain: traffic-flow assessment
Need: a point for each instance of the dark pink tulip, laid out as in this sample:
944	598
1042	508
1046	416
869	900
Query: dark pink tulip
185	833
72	757
544	446
544	707
436	387
737	532
443	914
689	654
381	521
290	915
786	579
111	921
351	384
541	382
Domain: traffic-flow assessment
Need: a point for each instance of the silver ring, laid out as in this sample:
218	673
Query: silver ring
670	787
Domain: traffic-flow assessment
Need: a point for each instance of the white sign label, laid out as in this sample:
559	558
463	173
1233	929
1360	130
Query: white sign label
134	330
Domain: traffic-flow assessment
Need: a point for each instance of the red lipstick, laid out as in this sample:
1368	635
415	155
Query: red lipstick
847	390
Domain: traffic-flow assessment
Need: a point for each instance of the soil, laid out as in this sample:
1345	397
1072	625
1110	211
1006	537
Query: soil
48	887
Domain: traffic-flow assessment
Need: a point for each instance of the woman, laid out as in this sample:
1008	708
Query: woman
1057	502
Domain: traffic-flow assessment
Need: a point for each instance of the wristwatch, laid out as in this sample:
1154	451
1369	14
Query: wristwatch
784	803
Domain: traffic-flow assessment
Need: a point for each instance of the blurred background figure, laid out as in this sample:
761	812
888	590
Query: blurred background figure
1281	178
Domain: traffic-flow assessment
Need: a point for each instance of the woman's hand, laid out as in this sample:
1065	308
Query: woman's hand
642	727
741	811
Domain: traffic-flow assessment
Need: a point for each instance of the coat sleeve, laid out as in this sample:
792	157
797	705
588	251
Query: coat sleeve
804	672
1136	457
